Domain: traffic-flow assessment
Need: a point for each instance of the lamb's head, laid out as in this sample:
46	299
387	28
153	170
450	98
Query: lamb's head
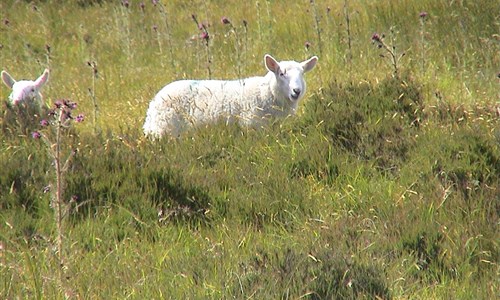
290	76
25	91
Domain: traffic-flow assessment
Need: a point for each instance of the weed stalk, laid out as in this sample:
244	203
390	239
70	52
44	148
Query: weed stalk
205	37
391	50
92	92
423	19
61	119
348	33
317	25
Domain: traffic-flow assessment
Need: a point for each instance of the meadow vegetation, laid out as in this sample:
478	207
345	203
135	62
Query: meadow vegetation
385	185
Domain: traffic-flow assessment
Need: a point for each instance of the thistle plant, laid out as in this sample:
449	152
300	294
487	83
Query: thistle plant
205	37
60	118
163	12
95	75
394	57
317	26
348	33
423	18
237	45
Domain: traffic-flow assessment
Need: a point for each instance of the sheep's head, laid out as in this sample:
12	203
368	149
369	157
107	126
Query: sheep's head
25	91
290	76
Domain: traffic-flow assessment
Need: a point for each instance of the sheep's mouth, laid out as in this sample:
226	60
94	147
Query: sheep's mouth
294	97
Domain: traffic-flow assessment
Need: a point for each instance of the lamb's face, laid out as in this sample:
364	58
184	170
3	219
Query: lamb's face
290	76
25	91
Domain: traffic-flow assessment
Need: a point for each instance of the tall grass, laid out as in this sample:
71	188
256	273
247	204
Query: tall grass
382	186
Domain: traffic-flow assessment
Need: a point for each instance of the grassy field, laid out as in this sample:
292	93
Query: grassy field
385	185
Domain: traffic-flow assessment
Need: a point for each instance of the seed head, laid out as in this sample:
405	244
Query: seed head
225	20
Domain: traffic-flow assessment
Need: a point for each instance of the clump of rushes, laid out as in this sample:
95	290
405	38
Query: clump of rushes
60	117
95	75
423	18
394	58
205	37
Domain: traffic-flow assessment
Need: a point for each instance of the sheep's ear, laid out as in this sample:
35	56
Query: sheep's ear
271	63
309	64
42	79
7	79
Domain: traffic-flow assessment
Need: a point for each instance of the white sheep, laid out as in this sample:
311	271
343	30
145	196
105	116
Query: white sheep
249	101
26	92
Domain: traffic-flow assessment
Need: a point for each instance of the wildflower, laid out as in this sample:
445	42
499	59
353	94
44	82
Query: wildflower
125	3
423	15
6	22
155	28
58	104
44	123
142	5
155	2
79	118
376	38
46	189
307	45
204	36
36	135
69	104
225	21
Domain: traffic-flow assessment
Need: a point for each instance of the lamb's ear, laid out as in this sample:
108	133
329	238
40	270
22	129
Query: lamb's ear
309	64
7	79
40	82
271	64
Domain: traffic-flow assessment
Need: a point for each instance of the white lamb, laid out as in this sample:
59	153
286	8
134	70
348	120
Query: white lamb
248	101
26	92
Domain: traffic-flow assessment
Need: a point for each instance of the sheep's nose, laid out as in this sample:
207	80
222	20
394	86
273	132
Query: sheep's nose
296	91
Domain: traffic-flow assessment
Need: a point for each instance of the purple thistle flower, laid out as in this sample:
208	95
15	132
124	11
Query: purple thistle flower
225	20
69	104
36	135
80	118
204	36
44	123
307	45
142	5
125	3
58	104
154	2
423	14
376	38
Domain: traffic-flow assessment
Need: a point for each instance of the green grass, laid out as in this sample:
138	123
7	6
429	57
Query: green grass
380	187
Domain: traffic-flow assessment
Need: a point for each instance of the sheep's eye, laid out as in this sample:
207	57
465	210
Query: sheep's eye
282	74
